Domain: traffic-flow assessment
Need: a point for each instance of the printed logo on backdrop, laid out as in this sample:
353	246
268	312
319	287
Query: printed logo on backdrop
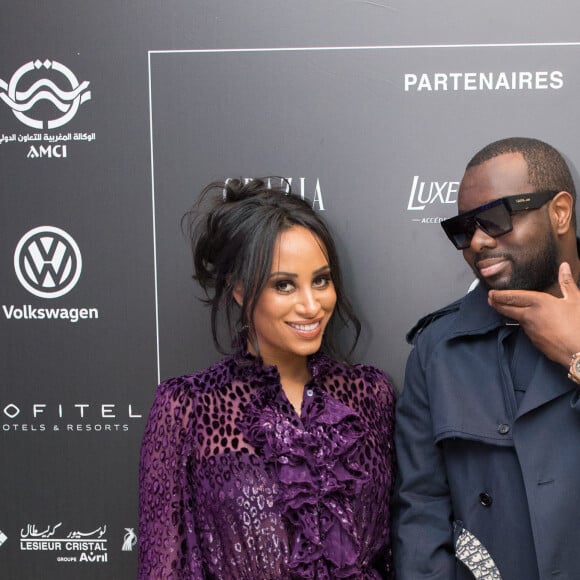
3	537
301	186
129	540
48	264
71	417
429	199
74	546
45	95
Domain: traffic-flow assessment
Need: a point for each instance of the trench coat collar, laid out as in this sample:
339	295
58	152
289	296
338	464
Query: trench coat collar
476	316
549	380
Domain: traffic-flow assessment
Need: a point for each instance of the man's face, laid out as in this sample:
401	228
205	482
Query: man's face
527	258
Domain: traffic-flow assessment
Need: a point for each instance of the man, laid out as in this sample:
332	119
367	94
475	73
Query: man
488	424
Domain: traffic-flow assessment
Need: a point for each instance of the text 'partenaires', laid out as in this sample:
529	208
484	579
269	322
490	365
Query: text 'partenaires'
483	81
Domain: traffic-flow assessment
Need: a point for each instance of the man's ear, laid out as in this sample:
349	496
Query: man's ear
561	212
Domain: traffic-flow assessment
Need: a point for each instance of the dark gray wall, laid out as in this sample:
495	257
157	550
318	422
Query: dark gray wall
178	98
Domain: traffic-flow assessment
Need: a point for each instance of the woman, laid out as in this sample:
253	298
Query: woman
277	461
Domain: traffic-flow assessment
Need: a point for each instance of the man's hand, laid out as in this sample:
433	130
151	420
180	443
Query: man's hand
552	324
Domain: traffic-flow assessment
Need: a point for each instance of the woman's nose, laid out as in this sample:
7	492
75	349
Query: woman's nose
308	304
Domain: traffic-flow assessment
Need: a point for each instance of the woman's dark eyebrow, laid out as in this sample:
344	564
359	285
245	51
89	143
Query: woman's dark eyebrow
320	270
285	274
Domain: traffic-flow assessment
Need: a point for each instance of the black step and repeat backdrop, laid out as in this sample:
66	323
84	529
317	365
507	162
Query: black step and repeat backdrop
113	115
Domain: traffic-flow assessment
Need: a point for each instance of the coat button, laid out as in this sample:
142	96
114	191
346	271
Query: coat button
503	429
485	499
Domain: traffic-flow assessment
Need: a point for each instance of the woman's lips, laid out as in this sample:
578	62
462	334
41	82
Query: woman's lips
306	330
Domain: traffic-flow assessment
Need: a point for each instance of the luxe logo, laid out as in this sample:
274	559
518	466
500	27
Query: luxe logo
433	192
24	99
47	262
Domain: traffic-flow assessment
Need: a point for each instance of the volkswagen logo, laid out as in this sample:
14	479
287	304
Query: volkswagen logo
47	262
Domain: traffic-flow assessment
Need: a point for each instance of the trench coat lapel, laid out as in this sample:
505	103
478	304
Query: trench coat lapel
476	316
549	382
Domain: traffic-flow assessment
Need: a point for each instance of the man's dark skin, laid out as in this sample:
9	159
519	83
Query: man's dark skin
551	318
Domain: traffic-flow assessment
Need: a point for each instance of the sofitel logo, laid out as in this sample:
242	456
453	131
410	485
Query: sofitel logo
23	100
68	417
47	262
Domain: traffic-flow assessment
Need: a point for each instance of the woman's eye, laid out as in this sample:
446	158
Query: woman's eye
322	281
284	286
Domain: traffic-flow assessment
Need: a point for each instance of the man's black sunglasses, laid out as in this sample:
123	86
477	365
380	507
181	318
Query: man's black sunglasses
493	218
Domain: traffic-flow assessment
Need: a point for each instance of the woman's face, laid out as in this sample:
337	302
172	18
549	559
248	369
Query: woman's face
298	300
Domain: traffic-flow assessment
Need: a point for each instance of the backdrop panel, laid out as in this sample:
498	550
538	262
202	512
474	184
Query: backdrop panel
113	115
377	137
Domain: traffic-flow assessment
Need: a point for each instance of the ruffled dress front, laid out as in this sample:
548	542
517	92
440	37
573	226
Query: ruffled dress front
235	484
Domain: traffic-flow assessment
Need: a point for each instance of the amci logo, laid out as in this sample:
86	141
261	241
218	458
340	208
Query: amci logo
50	151
47	262
28	91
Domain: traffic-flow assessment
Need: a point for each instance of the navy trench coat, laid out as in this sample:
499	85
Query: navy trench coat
472	460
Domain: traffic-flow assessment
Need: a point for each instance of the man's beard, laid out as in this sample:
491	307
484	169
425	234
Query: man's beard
534	271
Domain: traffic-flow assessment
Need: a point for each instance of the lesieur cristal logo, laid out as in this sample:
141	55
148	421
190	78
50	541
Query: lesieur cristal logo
44	94
47	262
129	540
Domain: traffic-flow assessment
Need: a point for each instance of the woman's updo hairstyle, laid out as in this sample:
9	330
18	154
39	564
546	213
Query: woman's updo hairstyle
233	228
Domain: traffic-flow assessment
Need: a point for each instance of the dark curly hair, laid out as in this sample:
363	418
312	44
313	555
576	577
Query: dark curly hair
232	229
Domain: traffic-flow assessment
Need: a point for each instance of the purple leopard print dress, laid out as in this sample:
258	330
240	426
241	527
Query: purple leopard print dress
235	485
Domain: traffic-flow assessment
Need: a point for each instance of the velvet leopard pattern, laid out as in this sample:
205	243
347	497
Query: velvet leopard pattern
235	484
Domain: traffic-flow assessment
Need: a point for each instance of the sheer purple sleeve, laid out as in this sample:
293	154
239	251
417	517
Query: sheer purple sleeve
385	404
167	540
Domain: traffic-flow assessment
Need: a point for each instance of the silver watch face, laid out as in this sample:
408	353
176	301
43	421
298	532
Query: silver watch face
577	366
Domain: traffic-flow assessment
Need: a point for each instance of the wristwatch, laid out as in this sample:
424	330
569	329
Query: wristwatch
574	371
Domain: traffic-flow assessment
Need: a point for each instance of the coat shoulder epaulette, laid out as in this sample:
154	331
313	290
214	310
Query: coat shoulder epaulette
424	322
